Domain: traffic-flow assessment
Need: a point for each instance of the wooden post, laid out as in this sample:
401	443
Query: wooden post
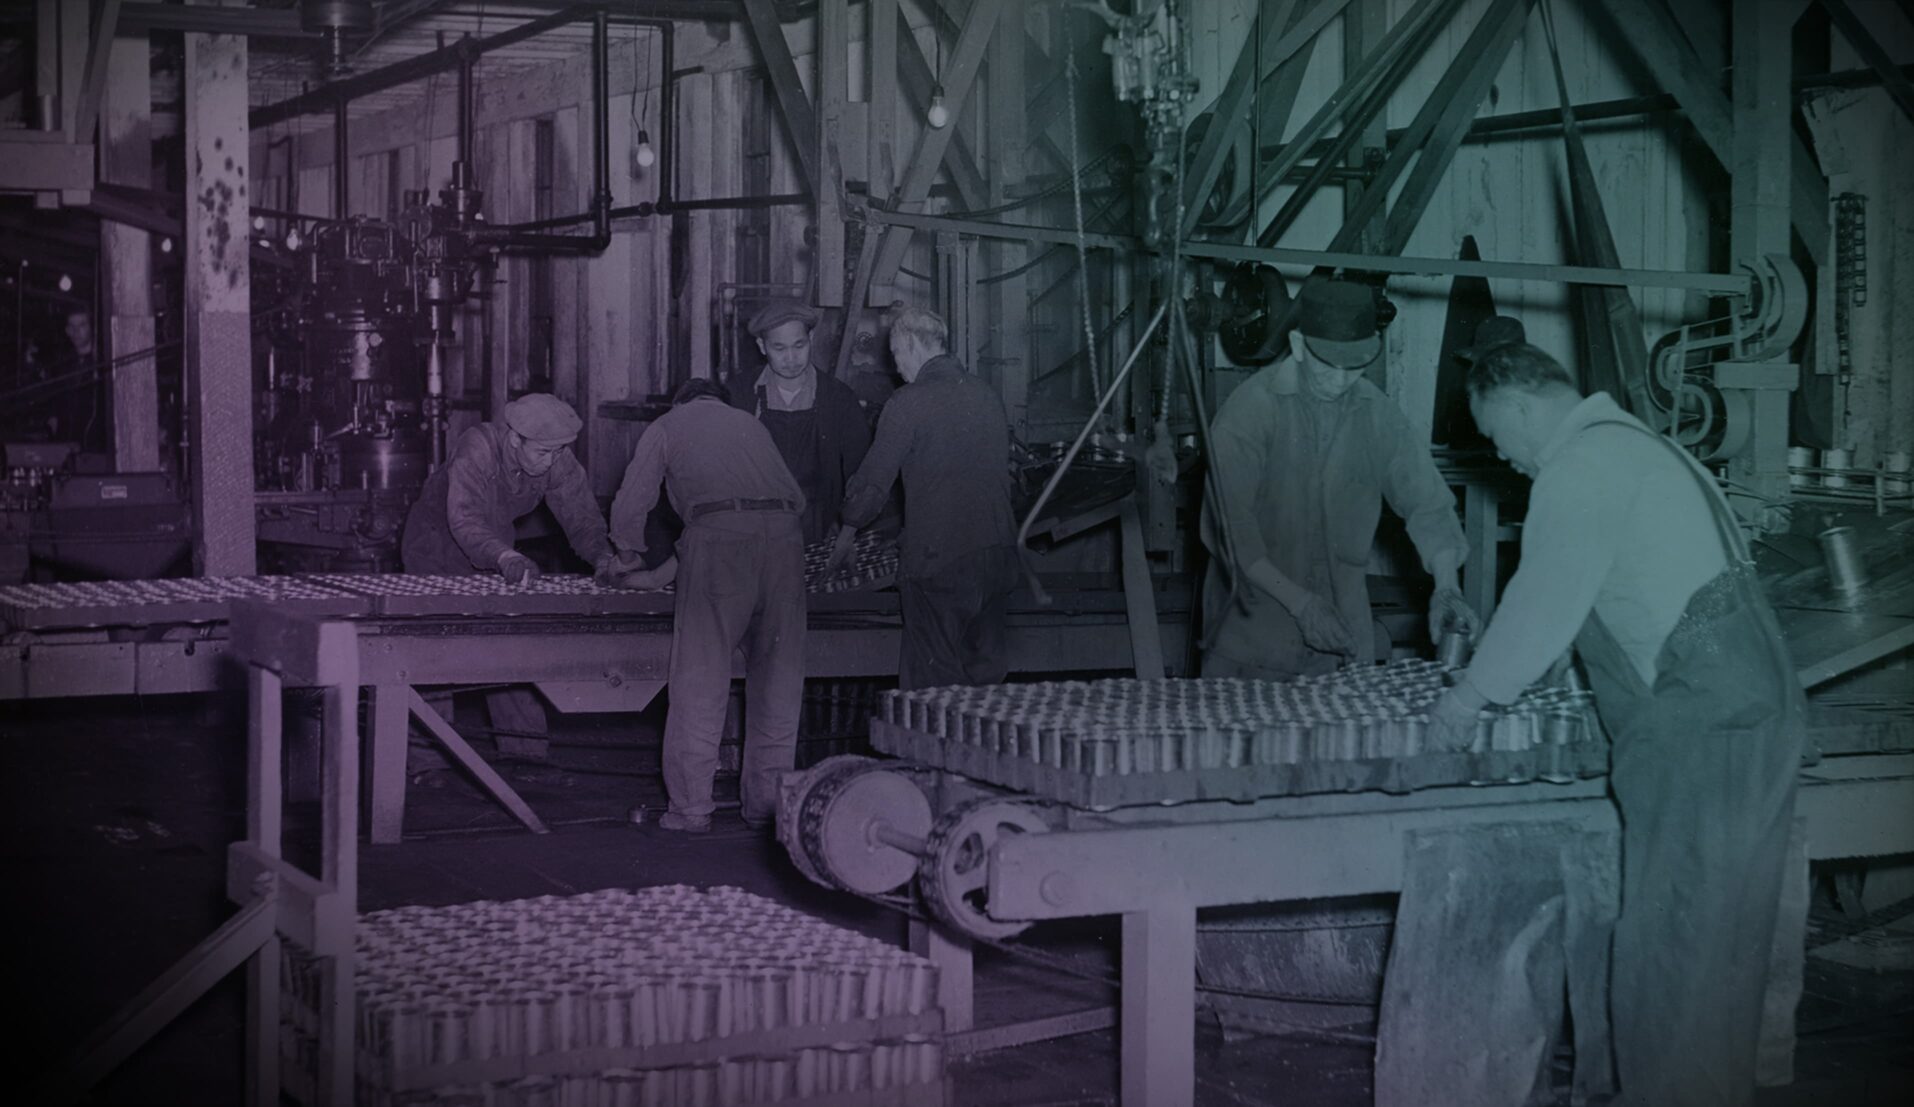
1158	1024
391	723
1364	23
219	303
951	953
126	157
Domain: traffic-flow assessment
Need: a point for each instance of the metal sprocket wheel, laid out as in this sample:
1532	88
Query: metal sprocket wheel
955	870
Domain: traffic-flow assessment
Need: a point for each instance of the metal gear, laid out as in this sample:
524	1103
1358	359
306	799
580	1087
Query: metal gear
956	863
791	805
835	819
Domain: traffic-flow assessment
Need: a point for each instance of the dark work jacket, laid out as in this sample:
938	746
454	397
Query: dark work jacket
843	438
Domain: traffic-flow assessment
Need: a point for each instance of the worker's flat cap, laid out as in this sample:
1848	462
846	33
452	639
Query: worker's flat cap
780	311
1496	330
1338	322
543	418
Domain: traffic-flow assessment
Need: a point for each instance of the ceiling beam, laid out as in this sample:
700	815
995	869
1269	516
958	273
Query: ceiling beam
800	120
1898	88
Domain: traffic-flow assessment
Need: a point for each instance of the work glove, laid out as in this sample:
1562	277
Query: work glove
1452	720
841	552
517	569
1448	611
1322	626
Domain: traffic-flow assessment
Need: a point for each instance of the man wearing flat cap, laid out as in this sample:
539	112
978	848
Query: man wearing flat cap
462	521
1305	452
820	431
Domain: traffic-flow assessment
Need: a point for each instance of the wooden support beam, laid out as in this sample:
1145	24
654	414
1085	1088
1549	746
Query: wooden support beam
1893	81
1437	129
965	60
219	303
1662	44
462	752
93	82
914	75
833	98
882	121
126	158
1007	360
800	122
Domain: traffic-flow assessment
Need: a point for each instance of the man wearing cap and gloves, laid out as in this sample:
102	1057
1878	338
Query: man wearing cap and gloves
498	472
1631	553
820	430
1304	453
946	435
740	571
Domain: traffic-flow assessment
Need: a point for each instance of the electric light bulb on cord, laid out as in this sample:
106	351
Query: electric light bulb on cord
646	157
259	222
937	115
66	283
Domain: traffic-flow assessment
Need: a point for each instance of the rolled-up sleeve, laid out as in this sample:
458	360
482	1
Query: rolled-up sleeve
1416	491
471	490
868	489
572	503
638	492
1576	523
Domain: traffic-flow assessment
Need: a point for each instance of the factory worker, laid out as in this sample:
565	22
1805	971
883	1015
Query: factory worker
820	430
1304	454
945	433
498	472
739	568
1630	552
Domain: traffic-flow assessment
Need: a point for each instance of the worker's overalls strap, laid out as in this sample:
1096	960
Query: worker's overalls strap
1704	768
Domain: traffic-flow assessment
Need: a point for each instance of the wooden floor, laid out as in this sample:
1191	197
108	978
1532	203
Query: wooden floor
117	814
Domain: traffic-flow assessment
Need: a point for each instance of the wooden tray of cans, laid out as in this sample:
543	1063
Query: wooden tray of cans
106	603
1103	744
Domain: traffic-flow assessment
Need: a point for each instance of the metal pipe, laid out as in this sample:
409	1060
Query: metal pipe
667	116
341	162
601	132
465	109
884	833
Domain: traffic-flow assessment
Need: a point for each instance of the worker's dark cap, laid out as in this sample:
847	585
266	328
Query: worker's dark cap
780	311
698	388
543	418
1496	330
1338	322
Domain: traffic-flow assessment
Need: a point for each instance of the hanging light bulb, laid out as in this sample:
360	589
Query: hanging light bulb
646	156
259	222
166	245
292	239
66	283
937	115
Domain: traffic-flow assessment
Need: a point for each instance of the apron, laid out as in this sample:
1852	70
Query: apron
800	442
1704	772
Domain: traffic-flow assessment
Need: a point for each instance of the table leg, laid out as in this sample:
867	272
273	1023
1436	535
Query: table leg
1158	1026
385	778
950	952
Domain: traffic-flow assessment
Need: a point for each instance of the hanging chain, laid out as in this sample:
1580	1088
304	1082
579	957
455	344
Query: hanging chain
1076	200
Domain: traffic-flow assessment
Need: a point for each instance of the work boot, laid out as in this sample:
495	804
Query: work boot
686	824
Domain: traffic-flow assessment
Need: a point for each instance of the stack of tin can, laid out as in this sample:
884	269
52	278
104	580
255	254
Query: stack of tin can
668	996
1031	736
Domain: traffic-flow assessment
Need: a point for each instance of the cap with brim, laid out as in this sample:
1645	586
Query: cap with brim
543	418
779	312
1356	354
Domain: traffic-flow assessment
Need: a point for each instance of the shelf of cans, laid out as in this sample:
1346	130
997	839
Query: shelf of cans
661	996
1111	742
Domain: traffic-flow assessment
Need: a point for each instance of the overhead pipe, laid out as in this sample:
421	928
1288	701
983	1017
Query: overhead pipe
341	163
508	238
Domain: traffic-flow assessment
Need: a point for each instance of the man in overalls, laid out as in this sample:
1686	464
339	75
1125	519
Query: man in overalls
1630	552
1304	454
820	430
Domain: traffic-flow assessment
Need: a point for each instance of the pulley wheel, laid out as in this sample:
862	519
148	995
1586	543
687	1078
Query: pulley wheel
1257	306
791	803
955	871
836	819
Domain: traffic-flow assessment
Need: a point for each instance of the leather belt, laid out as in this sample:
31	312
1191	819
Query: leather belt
714	506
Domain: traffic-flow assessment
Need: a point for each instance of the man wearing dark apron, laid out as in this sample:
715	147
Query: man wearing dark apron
1630	551
814	418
